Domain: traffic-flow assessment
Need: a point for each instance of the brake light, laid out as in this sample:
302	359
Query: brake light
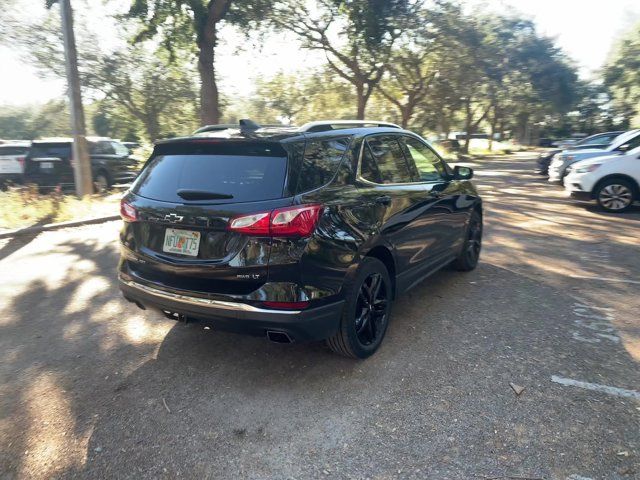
287	305
297	221
128	212
21	162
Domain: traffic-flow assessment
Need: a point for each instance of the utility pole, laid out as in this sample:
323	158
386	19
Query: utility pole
80	161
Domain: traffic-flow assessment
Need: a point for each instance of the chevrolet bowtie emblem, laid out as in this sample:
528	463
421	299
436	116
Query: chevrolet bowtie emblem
173	218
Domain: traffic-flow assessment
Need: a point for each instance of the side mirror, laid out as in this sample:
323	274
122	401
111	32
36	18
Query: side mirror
462	173
623	148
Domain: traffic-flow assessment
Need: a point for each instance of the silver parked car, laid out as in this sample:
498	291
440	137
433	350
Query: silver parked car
558	167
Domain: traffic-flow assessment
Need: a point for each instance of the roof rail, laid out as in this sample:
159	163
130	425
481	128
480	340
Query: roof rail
215	128
326	125
243	124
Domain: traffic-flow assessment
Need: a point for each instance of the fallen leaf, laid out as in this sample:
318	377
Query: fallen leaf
516	388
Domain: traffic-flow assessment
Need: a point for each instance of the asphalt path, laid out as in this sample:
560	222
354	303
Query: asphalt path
93	387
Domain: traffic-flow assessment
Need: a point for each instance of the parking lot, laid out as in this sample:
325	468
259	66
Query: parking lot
93	387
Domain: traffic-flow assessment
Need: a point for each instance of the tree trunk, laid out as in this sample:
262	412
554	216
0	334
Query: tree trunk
209	101
362	101
494	124
467	126
407	112
152	126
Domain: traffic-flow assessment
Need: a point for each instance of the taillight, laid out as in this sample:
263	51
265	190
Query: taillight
255	224
297	221
21	162
128	212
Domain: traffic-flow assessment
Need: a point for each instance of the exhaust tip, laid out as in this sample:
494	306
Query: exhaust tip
278	337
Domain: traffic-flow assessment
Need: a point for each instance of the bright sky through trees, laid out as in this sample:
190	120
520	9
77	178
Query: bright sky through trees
585	30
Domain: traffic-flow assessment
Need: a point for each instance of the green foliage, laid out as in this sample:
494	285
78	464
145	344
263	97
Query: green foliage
160	97
622	77
30	122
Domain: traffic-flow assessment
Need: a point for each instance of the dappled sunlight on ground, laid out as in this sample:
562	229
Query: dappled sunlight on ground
53	444
76	305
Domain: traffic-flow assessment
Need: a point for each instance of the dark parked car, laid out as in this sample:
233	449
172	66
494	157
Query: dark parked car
48	163
295	234
600	140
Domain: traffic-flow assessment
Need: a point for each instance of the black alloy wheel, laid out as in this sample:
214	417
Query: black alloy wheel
468	258
365	317
371	309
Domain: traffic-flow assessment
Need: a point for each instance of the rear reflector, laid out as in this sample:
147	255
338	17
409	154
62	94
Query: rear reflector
128	212
297	221
286	305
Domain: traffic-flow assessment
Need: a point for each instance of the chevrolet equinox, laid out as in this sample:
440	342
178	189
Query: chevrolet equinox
295	234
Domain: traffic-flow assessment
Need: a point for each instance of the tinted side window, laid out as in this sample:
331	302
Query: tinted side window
119	148
320	162
101	148
595	141
12	150
430	166
384	162
632	143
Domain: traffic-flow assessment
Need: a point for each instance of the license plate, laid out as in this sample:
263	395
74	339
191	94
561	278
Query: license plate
46	165
184	242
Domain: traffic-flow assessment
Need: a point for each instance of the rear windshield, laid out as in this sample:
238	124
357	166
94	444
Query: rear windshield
246	178
57	151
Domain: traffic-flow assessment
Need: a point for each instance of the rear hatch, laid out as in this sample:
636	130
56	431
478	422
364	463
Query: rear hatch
49	163
12	159
183	201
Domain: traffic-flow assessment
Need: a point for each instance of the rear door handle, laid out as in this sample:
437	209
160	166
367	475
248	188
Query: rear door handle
383	200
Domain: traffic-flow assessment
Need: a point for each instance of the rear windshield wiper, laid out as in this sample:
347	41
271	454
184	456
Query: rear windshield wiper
202	195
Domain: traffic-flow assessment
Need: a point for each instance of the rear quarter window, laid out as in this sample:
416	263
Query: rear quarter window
13	150
320	162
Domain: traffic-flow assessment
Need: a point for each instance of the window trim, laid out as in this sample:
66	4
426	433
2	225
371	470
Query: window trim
360	178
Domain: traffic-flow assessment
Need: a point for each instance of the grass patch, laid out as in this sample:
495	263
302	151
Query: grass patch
24	206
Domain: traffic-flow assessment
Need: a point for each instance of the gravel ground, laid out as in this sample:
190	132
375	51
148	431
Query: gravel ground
92	387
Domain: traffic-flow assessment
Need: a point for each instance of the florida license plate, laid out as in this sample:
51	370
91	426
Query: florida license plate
184	242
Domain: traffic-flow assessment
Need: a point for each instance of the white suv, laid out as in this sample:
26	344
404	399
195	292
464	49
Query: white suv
612	180
561	161
12	157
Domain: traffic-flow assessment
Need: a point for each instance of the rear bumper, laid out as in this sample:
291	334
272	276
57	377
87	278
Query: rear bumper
300	325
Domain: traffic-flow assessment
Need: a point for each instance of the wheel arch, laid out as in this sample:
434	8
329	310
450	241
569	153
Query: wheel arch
382	253
620	176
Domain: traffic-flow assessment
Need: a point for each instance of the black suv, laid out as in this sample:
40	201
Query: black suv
48	163
295	233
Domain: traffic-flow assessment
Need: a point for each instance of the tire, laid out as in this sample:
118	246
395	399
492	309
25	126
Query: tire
101	183
363	324
468	258
615	195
